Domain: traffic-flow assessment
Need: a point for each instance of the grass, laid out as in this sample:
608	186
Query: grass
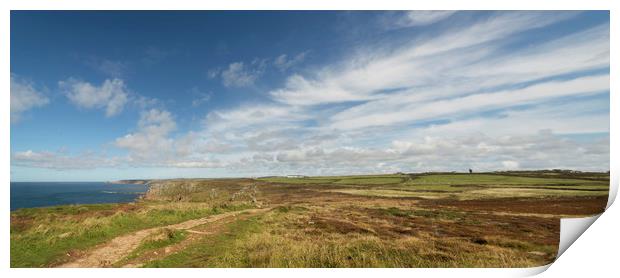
169	237
287	209
397	212
381	180
493	179
57	231
435	214
471	194
349	180
426	220
271	241
392	193
320	180
165	238
527	193
209	250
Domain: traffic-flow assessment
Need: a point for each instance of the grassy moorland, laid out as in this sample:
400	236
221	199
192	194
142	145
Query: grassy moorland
508	219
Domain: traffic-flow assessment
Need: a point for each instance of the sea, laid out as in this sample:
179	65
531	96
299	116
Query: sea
45	194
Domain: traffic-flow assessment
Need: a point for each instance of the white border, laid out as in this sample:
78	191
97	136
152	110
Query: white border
606	226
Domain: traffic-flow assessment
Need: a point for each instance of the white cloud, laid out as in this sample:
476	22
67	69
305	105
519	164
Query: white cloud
510	165
588	49
537	62
420	18
283	62
362	114
144	103
383	93
253	116
61	160
543	150
151	137
153	144
239	74
359	118
245	74
24	97
453	100
583	116
111	95
424	62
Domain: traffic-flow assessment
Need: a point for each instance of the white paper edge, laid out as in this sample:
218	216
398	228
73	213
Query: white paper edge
613	179
571	229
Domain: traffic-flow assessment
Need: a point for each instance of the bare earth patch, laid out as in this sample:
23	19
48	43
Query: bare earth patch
119	247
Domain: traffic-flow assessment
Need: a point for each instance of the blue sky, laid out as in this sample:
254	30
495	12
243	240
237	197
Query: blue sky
117	95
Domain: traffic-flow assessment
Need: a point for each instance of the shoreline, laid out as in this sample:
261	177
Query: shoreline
98	196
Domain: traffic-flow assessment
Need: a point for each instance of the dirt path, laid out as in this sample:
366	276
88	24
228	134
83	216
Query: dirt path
119	247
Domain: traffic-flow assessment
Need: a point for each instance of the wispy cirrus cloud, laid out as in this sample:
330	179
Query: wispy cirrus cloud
363	117
483	94
449	80
415	18
370	73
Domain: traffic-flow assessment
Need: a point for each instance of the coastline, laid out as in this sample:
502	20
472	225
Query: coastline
57	194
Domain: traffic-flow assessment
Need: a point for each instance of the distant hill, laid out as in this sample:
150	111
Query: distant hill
131	182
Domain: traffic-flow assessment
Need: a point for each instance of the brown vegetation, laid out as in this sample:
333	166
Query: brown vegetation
427	220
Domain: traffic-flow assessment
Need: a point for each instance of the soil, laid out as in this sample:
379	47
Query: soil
114	250
559	206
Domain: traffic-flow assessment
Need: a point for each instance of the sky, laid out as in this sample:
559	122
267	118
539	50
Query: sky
98	96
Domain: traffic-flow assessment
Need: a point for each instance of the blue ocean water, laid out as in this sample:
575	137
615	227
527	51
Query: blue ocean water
43	194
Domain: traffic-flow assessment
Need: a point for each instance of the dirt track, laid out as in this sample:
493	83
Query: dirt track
119	247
